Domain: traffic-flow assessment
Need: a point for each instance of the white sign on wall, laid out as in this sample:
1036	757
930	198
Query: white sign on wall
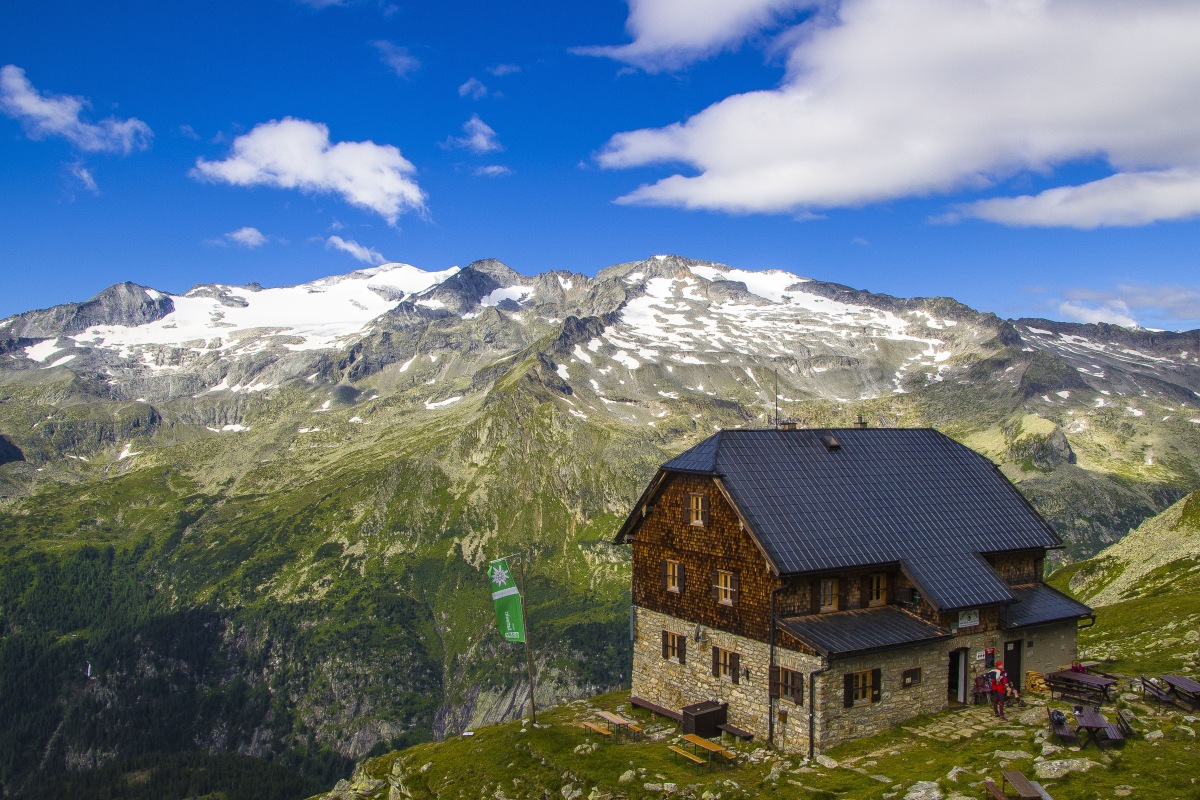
968	619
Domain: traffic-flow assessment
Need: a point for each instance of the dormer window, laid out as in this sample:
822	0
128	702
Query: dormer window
698	509
827	590
877	585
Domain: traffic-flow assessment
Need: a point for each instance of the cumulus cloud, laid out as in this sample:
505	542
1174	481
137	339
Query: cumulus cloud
61	115
479	138
298	154
247	237
1169	305
493	171
884	100
402	62
473	88
670	34
358	251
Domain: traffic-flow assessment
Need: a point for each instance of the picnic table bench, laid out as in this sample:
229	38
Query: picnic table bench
1125	723
1058	725
1152	689
679	751
1025	788
704	750
735	731
597	728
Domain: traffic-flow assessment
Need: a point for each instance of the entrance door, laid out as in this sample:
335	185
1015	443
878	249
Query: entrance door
1012	663
956	677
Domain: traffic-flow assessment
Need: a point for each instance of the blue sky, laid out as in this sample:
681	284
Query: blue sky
1029	158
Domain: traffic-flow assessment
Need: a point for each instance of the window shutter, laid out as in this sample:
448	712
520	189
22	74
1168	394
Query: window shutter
776	673
893	588
663	574
681	577
814	596
682	649
735	582
704	510
848	690
798	689
716	671
716	591
864	591
664	642
876	683
735	663
842	592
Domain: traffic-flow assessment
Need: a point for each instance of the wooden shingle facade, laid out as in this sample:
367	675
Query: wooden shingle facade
828	584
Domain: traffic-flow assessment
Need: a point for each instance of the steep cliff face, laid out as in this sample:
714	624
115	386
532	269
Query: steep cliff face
262	514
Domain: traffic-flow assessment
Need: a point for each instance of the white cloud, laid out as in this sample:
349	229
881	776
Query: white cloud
493	171
1114	313
247	237
297	154
84	176
1124	199
500	70
473	88
358	251
402	62
885	100
479	139
60	115
670	34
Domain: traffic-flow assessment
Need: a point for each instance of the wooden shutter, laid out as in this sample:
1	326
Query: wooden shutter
893	580
876	684
716	590
663	574
864	591
776	674
842	593
716	670
666	649
848	690
704	510
735	663
735	583
798	689
681	577
682	649
814	597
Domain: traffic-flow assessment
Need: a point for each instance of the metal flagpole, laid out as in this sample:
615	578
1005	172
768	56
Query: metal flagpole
528	652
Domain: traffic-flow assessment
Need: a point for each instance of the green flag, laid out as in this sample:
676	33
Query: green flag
507	598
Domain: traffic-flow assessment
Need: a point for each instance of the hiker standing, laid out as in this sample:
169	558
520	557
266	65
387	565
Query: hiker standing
999	686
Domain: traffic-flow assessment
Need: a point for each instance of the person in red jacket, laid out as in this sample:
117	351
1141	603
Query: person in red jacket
998	679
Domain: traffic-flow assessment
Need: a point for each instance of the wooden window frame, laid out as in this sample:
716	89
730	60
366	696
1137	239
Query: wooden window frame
673	574
827	599
862	687
674	647
726	664
726	586
698	509
877	593
788	684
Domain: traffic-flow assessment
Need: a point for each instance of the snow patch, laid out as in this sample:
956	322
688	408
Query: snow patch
60	361
562	372
42	350
430	405
517	294
128	452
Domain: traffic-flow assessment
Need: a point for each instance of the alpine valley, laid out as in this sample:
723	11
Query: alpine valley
244	529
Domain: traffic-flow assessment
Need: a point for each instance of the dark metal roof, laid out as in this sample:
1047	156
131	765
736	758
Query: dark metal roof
846	633
1038	604
911	496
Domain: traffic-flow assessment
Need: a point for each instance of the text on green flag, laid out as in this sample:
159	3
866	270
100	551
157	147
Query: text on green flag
507	599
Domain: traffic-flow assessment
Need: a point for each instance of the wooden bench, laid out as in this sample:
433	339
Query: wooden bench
1150	688
656	708
689	756
1125	723
1060	727
1025	788
735	731
593	726
993	789
1114	733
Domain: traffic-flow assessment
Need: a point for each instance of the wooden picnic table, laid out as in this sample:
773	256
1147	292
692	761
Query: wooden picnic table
619	724
707	747
1184	689
1025	788
1080	685
1094	724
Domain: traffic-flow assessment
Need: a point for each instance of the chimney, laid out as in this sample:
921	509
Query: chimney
789	425
861	423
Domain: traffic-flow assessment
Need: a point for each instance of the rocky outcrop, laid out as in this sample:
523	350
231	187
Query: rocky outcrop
120	304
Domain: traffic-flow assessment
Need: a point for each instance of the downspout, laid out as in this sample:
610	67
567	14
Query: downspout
812	707
771	673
